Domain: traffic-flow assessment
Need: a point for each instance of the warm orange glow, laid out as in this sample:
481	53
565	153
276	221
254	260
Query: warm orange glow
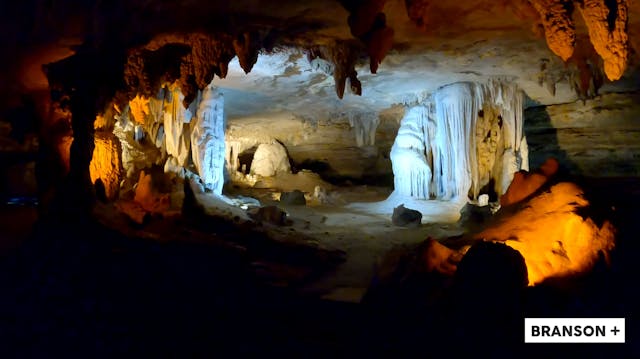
100	122
149	198
525	184
106	164
139	107
552	238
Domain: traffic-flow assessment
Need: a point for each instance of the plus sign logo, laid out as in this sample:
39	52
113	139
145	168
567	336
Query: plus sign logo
615	330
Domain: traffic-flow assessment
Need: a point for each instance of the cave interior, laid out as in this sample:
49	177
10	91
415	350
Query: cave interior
317	178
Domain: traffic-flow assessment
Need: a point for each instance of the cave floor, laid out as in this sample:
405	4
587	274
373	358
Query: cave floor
173	288
360	226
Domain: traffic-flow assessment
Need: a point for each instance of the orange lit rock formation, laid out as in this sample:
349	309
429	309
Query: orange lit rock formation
148	196
525	184
139	108
607	26
106	164
558	27
553	238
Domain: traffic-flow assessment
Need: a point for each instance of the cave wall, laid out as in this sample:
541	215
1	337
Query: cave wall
600	138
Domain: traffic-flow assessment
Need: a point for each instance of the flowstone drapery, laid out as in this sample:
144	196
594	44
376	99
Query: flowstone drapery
468	136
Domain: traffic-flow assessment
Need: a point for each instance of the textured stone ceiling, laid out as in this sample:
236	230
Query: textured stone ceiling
442	42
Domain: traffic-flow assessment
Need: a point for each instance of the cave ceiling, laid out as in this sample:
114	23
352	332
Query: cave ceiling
309	50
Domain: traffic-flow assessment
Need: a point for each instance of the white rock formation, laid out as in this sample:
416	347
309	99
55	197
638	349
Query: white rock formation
135	155
176	128
474	136
270	159
412	173
207	139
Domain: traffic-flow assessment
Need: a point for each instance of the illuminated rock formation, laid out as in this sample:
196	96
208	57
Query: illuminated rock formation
148	197
270	159
554	239
558	26
139	108
607	24
207	139
105	164
525	184
176	127
451	150
136	155
412	173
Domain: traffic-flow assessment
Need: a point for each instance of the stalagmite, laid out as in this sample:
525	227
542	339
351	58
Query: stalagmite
207	139
471	135
412	174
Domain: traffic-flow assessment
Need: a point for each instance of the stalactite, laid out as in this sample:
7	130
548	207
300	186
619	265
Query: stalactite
364	126
246	46
343	56
558	26
417	11
368	23
607	24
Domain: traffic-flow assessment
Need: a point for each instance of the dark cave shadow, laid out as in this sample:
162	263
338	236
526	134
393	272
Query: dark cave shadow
542	141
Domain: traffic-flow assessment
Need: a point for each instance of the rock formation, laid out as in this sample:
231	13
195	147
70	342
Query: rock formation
412	172
448	150
207	139
558	26
406	217
270	159
607	24
176	127
552	236
106	164
525	184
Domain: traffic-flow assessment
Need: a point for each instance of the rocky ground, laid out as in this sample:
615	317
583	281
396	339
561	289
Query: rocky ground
179	288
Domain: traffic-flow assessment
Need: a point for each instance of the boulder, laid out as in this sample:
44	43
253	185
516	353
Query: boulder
295	197
525	184
554	234
270	159
406	217
268	214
